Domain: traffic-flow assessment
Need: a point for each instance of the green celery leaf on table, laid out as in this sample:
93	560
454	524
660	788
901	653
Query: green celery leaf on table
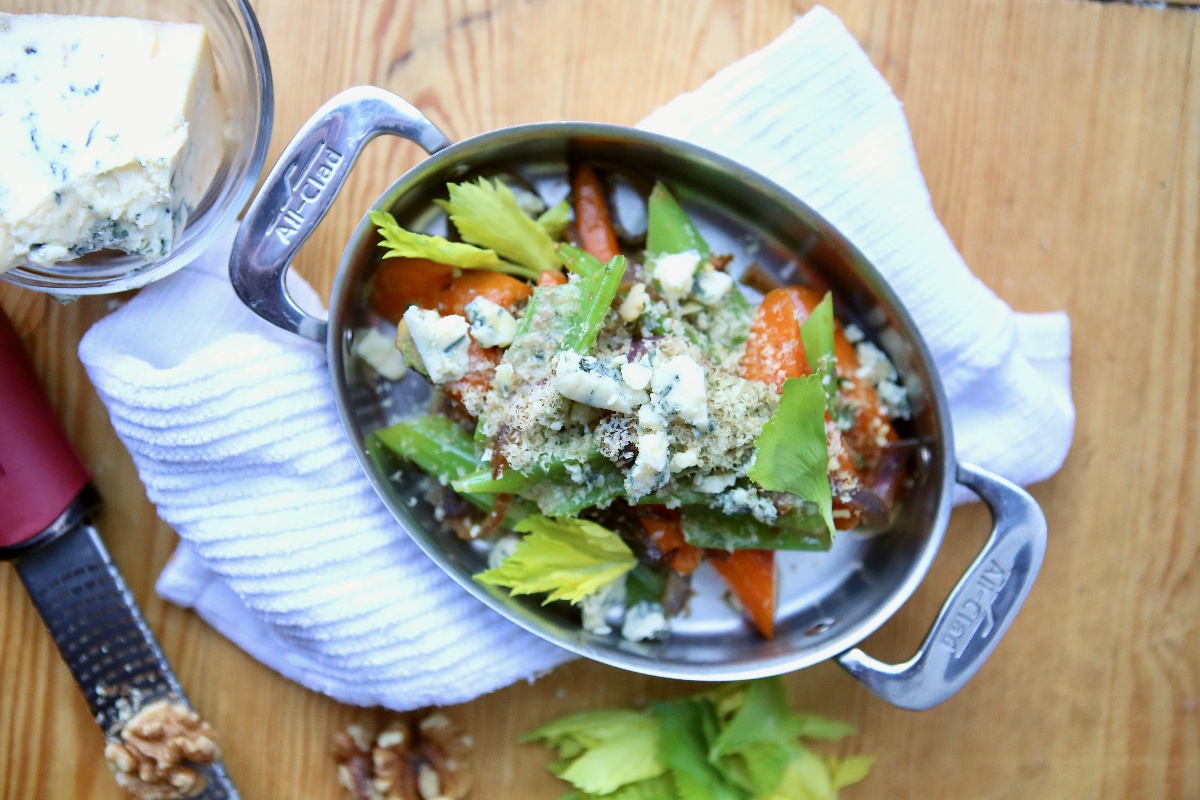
610	749
686	728
734	742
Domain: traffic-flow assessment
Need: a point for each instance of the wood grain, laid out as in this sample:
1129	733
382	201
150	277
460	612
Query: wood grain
1061	144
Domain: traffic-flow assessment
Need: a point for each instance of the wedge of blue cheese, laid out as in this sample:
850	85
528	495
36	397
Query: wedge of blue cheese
113	130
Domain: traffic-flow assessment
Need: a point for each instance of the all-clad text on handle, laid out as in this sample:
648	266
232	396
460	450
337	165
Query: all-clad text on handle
301	188
979	609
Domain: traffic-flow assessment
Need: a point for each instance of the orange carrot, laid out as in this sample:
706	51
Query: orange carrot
750	574
665	529
592	221
503	290
551	277
403	282
774	351
481	369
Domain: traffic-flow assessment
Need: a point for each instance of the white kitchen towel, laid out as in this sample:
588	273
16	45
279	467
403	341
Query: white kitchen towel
286	549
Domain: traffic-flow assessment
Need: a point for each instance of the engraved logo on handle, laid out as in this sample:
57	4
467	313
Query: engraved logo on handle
305	187
974	614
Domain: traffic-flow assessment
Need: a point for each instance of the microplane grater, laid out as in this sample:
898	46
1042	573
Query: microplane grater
102	636
46	500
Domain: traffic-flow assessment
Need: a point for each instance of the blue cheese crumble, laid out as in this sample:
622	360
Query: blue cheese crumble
595	382
442	342
381	354
491	324
645	620
678	389
674	274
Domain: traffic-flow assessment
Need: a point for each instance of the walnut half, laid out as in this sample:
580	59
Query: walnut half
155	753
400	763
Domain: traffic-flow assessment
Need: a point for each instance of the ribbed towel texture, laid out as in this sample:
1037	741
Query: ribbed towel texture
287	550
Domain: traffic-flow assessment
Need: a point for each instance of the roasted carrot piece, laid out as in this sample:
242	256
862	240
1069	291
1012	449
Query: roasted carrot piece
872	430
592	221
750	574
503	290
665	530
774	351
403	282
551	277
481	369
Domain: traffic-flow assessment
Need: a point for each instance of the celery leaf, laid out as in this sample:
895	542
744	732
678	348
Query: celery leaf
849	770
791	454
555	219
402	243
567	558
486	214
684	745
817	335
763	718
807	777
607	750
733	742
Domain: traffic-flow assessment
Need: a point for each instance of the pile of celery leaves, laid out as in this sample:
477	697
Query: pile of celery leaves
737	742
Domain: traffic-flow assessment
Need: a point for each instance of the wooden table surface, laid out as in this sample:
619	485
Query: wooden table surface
1061	143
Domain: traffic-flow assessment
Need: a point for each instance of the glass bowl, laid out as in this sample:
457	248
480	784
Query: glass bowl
244	78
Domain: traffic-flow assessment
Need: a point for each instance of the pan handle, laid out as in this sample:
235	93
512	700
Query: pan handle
979	609
301	188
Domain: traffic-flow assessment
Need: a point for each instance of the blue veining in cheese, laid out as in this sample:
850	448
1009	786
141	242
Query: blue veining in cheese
113	129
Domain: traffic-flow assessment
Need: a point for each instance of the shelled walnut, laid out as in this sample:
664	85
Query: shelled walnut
154	753
400	763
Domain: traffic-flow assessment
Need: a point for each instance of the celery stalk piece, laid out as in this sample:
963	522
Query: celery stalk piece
707	527
535	486
579	261
434	443
668	228
509	482
680	496
558	503
599	291
438	448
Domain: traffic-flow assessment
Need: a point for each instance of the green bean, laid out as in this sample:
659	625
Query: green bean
668	228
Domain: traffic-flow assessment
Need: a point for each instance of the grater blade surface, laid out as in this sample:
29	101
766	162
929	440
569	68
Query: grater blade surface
102	635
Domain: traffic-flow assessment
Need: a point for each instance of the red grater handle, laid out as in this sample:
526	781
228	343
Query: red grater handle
39	472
